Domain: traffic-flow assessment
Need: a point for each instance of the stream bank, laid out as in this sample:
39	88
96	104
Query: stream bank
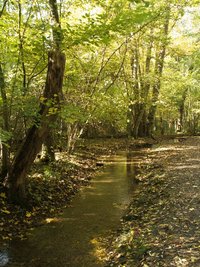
52	187
72	238
162	224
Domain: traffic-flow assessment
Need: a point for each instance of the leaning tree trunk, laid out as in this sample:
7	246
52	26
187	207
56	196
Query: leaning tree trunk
39	131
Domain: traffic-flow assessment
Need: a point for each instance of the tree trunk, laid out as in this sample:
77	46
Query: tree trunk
49	151
5	145
182	109
73	133
141	89
134	107
142	130
142	124
130	120
159	64
138	120
152	110
39	131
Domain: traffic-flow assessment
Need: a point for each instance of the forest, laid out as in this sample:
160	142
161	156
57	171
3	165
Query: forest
75	71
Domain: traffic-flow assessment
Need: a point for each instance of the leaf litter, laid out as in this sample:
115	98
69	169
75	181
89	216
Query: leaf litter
162	224
52	186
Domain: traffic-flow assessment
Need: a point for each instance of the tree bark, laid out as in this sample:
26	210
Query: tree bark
49	152
39	131
159	64
141	90
5	145
182	109
134	106
5	148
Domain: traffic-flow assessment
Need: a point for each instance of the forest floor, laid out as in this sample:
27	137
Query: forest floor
162	224
52	186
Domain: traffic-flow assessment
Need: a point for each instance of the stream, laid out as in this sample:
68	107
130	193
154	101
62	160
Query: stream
72	238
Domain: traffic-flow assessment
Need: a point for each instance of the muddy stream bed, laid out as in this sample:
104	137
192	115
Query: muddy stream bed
72	238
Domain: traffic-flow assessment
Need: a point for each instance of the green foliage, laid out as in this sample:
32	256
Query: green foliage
5	136
99	42
72	113
100	24
112	109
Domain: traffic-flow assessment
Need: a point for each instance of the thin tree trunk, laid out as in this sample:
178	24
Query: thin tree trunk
73	133
182	109
3	7
5	149
39	131
5	145
159	64
134	107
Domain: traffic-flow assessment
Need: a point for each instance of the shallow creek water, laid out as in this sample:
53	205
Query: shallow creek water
71	239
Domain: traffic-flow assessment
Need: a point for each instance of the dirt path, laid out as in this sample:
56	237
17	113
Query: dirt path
162	226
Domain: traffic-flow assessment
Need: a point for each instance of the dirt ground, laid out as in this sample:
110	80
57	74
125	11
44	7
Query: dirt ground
162	224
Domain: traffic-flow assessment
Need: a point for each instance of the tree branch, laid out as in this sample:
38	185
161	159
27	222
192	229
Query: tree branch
4	6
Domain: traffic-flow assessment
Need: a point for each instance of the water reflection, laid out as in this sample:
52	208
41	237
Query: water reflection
134	159
94	212
131	167
4	258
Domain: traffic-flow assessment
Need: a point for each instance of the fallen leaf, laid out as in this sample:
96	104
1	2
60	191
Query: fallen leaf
3	195
28	214
6	211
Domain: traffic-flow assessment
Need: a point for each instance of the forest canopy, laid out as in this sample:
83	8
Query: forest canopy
99	68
